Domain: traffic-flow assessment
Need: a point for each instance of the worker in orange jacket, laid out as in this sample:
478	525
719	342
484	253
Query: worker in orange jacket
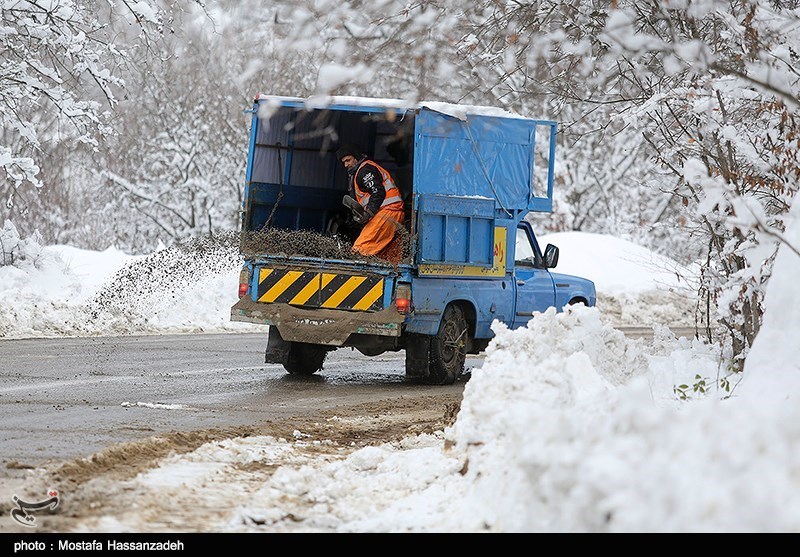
383	213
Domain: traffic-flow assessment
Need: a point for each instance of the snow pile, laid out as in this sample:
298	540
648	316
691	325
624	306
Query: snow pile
64	291
617	266
635	286
553	445
403	486
582	433
37	290
773	368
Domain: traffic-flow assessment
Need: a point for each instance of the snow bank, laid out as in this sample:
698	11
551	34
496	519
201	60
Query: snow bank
579	433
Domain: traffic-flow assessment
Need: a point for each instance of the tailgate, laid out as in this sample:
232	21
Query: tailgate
348	290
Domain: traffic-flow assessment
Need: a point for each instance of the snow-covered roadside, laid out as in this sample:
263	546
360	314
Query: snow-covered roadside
64	291
584	433
635	287
590	431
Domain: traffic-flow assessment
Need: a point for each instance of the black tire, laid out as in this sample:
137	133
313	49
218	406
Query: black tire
305	359
448	351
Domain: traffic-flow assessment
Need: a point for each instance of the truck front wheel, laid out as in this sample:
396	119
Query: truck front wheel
448	349
304	359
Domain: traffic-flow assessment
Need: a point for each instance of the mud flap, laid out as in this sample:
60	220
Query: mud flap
417	350
277	348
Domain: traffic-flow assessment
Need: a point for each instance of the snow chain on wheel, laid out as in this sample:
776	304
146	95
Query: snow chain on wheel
448	350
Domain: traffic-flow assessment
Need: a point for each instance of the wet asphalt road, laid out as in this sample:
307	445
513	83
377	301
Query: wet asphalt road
68	398
71	397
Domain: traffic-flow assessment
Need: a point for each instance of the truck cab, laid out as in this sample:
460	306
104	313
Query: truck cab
468	177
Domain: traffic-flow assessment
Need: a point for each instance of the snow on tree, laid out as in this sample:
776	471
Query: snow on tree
180	167
60	67
694	101
721	90
179	158
678	117
21	252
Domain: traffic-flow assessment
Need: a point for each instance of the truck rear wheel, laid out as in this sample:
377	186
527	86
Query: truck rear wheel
448	349
304	359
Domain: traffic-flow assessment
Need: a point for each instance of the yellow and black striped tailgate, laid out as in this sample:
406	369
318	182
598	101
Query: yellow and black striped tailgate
317	289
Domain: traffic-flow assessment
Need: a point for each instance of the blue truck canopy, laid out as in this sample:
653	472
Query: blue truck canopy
461	169
468	150
480	154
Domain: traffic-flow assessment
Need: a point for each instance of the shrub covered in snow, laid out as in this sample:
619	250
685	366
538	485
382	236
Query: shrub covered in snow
20	252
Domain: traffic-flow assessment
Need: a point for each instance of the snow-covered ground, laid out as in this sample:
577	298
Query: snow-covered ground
569	426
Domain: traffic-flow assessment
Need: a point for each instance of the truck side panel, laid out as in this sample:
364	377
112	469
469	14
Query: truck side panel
490	299
456	230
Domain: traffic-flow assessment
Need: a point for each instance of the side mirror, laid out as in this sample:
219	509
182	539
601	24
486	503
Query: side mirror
550	256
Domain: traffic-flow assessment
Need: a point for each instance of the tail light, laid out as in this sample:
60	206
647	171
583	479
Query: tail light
402	298
244	282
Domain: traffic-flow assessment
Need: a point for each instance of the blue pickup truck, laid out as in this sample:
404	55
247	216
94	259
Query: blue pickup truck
468	176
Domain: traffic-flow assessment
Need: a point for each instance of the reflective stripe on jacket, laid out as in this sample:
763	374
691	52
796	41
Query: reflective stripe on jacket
392	192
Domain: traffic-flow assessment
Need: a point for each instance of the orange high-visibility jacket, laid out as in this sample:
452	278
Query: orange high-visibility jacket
362	191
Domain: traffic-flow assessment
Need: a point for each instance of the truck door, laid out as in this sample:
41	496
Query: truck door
533	284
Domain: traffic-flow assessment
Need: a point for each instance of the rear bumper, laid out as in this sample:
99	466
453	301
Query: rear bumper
318	326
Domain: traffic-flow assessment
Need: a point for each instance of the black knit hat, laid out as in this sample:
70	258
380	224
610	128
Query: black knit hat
349	149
